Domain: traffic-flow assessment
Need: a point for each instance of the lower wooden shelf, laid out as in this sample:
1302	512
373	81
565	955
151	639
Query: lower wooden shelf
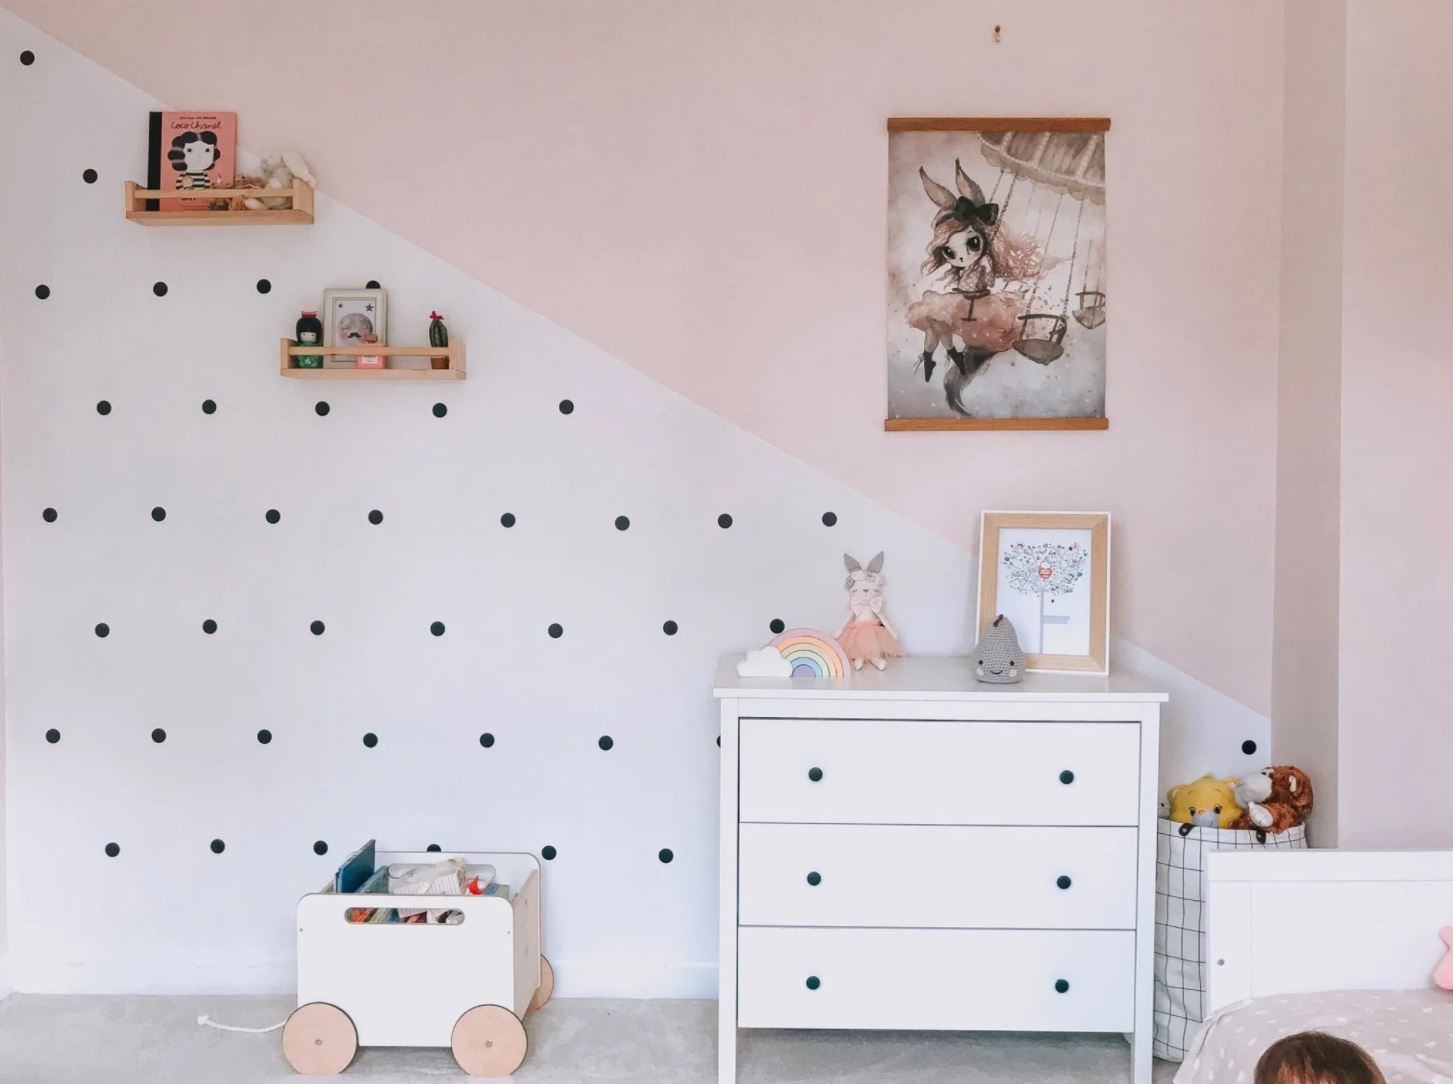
300	213
453	353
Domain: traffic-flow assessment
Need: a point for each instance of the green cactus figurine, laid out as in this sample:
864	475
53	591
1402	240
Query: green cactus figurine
438	338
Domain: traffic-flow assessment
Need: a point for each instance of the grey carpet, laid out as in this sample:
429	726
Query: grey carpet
156	1040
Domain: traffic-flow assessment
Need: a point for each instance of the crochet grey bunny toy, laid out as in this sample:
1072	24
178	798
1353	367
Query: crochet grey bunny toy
997	657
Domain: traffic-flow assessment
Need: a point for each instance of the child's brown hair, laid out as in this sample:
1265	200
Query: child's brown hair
1313	1057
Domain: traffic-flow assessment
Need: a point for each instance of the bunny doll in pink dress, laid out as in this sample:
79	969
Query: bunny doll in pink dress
866	635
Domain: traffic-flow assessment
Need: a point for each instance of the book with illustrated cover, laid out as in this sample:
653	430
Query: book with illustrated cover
190	152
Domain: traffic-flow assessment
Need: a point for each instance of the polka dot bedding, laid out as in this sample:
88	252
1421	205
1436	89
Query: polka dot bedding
1409	1033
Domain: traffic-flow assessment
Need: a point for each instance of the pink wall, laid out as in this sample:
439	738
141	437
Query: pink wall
1397	587
1305	623
699	188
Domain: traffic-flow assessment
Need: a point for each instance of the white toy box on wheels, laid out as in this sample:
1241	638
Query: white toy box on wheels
465	983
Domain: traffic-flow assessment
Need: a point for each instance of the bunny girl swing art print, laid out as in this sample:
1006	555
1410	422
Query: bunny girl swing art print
996	274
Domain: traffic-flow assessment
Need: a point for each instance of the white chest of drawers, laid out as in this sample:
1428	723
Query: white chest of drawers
916	850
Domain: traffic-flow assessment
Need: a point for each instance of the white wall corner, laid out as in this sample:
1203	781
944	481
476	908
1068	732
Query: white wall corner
1197	722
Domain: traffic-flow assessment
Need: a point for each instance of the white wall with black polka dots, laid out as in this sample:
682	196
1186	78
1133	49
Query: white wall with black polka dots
251	622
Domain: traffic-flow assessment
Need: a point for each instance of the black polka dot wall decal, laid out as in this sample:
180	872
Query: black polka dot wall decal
264	736
1248	747
321	408
372	284
317	628
664	854
103	408
218	846
440	410
263	286
158	735
669	628
623	523
158	513
567	407
370	740
375	517
723	521
547	852
209	626
209	406
433	848
159	288
27	57
89	176
437	628
507	520
42	291
52	735
556	631
272	515
103	630
829	519
487	740
776	626
718	741
49	515
319	847
112	850
606	742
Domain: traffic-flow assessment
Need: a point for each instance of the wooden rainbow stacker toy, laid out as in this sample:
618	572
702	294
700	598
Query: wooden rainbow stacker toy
465	986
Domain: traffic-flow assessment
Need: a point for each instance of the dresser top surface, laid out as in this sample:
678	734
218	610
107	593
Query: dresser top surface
934	678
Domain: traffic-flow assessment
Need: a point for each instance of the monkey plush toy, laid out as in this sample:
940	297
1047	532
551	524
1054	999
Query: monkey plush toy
1275	799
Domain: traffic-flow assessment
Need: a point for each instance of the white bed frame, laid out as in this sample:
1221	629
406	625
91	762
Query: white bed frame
1283	922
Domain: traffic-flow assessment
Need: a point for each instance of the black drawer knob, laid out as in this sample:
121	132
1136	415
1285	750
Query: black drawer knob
1063	881
814	878
1066	777
1061	986
815	774
813	982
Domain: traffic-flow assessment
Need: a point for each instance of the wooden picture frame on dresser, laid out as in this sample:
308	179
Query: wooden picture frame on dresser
874	874
1038	556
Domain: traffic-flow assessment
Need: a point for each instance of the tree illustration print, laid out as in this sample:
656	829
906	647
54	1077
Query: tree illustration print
1046	569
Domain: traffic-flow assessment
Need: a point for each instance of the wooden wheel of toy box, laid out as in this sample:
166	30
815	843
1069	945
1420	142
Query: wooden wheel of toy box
489	1040
319	1039
546	989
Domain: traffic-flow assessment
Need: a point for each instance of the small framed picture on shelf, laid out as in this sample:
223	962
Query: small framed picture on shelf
349	316
1049	573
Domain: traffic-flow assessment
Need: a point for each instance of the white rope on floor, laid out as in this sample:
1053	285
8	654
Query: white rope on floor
207	1022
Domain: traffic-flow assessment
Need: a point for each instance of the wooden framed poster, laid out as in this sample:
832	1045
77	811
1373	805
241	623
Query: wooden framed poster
1049	573
996	273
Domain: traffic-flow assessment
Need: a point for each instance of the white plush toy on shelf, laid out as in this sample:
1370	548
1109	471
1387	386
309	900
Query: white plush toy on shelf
271	169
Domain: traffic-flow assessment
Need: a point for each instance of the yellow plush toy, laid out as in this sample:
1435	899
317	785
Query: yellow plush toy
1207	803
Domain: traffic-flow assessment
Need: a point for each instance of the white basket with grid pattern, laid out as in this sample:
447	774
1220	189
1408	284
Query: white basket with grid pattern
1180	922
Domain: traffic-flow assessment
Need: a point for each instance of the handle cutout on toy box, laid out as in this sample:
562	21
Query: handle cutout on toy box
389	916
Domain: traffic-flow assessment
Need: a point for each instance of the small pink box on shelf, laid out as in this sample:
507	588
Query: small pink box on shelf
370	361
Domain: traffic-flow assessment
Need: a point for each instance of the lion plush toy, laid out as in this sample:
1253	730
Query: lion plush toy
1276	799
1207	803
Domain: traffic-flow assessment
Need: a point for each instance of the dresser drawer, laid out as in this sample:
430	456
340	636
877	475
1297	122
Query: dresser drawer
876	875
868	771
973	980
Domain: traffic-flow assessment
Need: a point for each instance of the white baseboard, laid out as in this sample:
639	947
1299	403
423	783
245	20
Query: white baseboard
630	979
160	977
634	979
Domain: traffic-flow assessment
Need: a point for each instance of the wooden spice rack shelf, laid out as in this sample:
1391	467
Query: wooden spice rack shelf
300	213
454	352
